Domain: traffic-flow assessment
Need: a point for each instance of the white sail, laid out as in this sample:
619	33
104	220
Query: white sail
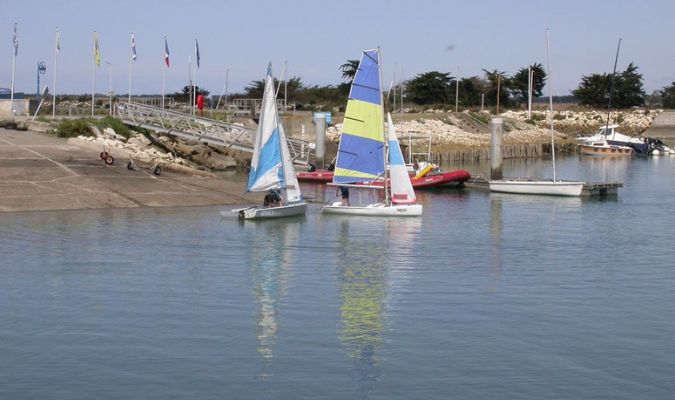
266	163
401	188
292	188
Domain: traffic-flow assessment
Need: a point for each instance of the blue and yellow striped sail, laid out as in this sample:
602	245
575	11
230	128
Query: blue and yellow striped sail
360	155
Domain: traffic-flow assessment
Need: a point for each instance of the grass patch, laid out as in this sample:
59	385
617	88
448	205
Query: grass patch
69	128
116	125
13	125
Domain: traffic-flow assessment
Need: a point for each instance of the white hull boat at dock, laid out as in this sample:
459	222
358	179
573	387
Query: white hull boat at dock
375	210
540	187
254	212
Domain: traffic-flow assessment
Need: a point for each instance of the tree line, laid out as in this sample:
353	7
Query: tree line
436	88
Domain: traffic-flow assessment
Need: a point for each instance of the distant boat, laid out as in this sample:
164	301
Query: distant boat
271	165
552	187
362	153
607	141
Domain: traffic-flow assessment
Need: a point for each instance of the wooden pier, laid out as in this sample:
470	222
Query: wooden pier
591	189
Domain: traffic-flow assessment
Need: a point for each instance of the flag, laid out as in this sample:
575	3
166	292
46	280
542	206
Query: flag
15	41
197	52
97	50
133	47
58	40
166	52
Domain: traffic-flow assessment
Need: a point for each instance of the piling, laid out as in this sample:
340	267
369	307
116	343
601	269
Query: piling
496	129
320	149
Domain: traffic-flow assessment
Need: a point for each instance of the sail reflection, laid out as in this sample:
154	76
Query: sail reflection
374	258
271	268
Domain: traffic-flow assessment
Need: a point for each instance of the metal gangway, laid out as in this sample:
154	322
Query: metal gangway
211	131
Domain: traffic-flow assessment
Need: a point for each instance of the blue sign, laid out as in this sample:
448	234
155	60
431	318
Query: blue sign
326	114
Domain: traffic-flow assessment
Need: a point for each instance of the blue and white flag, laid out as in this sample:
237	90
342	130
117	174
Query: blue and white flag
133	47
15	41
166	52
197	52
57	46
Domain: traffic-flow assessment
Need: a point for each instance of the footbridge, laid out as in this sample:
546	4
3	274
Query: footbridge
211	131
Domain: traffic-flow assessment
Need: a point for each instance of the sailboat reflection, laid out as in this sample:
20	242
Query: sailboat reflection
370	256
271	268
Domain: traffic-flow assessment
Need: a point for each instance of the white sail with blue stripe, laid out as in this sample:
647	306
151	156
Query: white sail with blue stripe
401	188
267	163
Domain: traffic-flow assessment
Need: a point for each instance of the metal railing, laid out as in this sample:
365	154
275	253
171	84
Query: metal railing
201	129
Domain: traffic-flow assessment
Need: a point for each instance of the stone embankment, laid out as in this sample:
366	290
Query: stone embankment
633	122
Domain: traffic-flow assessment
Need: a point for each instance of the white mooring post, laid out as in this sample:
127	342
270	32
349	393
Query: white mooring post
319	150
496	126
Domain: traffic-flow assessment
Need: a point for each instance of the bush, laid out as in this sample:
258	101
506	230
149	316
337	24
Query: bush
73	128
116	125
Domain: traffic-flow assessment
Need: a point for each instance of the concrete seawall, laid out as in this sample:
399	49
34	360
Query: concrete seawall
663	127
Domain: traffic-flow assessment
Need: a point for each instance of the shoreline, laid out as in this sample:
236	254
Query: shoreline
40	172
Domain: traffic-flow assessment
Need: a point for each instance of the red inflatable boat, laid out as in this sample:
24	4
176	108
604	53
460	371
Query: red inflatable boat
454	178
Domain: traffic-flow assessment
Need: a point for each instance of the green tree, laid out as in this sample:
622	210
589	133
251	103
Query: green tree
255	89
349	70
668	96
432	87
519	83
497	80
594	89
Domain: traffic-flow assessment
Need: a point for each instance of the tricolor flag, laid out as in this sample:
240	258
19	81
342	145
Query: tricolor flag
166	52
197	52
15	41
133	47
58	41
97	50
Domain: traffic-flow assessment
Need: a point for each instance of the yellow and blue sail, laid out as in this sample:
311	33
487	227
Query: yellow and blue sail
360	155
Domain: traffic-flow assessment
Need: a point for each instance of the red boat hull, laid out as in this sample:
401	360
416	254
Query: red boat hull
453	178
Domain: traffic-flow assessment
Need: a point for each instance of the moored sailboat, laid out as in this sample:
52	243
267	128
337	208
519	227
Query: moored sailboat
552	187
271	165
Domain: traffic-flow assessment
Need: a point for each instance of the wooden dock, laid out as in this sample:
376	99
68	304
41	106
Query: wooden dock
590	188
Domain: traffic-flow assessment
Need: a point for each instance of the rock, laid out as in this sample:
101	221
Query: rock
219	162
93	129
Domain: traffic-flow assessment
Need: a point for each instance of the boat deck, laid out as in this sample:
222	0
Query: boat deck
590	188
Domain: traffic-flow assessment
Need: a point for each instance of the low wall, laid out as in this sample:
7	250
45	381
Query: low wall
21	107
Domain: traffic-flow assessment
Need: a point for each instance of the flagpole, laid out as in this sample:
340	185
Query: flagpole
163	80
93	72
194	100
190	83
56	57
11	96
110	86
130	57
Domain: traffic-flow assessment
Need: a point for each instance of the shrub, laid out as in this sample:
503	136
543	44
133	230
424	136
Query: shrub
73	127
116	125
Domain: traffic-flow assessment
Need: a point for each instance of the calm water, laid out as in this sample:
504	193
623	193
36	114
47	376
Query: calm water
485	297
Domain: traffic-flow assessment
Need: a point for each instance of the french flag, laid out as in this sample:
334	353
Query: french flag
166	52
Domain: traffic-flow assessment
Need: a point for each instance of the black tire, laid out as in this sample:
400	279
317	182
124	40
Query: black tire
109	160
103	155
130	166
157	171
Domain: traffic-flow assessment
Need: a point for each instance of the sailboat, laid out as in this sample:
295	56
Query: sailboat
362	153
271	164
553	187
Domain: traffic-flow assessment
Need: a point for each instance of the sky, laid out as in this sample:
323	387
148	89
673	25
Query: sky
315	37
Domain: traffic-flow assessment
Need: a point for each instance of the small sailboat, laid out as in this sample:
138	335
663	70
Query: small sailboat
271	164
552	187
362	153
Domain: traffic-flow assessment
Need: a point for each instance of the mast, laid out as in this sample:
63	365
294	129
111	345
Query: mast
611	88
385	147
550	97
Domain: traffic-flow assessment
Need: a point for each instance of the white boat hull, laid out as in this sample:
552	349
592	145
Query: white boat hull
288	210
375	210
558	188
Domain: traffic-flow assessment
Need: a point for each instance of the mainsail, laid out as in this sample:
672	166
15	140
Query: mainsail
401	188
267	170
360	155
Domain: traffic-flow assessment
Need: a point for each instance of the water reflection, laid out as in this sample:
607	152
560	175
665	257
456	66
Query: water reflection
496	226
271	253
362	276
